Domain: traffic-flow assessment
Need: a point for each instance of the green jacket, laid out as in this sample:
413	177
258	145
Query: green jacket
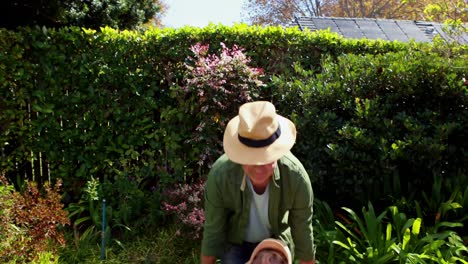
227	207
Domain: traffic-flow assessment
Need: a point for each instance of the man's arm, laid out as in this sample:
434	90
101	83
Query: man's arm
211	259
215	217
300	219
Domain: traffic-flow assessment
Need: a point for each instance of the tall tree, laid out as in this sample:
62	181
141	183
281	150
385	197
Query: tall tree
122	14
454	14
275	12
446	10
391	9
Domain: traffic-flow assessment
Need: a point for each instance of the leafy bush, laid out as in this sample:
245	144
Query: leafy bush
31	222
391	237
216	86
372	126
87	214
324	232
443	203
185	203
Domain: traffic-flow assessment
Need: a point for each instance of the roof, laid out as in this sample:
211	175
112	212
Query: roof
372	28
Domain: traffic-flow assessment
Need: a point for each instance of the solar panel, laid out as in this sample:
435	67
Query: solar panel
392	30
441	32
370	29
385	29
307	23
324	23
463	39
349	28
413	31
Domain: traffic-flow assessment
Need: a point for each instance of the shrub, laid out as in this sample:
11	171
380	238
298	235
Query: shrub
30	222
216	86
119	205
391	236
185	202
372	126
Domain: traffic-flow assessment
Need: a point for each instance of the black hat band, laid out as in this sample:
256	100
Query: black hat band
260	143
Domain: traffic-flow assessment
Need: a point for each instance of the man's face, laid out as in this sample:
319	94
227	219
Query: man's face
269	256
259	174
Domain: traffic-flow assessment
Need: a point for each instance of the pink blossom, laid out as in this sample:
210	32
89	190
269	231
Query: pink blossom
184	201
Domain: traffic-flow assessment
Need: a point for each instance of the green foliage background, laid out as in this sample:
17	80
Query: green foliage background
373	117
128	14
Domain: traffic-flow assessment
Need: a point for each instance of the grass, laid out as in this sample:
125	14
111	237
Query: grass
152	246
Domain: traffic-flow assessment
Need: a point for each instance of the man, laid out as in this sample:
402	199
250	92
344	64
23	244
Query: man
257	190
271	251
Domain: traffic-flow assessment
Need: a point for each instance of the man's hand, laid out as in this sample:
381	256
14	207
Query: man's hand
208	259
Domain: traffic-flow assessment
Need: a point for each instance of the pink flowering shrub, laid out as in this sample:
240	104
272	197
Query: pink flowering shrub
185	203
215	87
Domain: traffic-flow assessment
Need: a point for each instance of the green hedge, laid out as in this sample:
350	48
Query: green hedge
373	127
79	103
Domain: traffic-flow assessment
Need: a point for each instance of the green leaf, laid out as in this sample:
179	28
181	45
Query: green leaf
82	220
388	233
341	244
416	226
406	238
46	109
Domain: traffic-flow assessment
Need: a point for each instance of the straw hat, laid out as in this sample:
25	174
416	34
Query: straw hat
274	244
258	135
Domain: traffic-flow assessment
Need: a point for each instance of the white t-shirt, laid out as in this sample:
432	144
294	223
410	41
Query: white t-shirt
259	226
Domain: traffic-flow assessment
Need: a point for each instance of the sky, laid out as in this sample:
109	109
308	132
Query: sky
200	13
